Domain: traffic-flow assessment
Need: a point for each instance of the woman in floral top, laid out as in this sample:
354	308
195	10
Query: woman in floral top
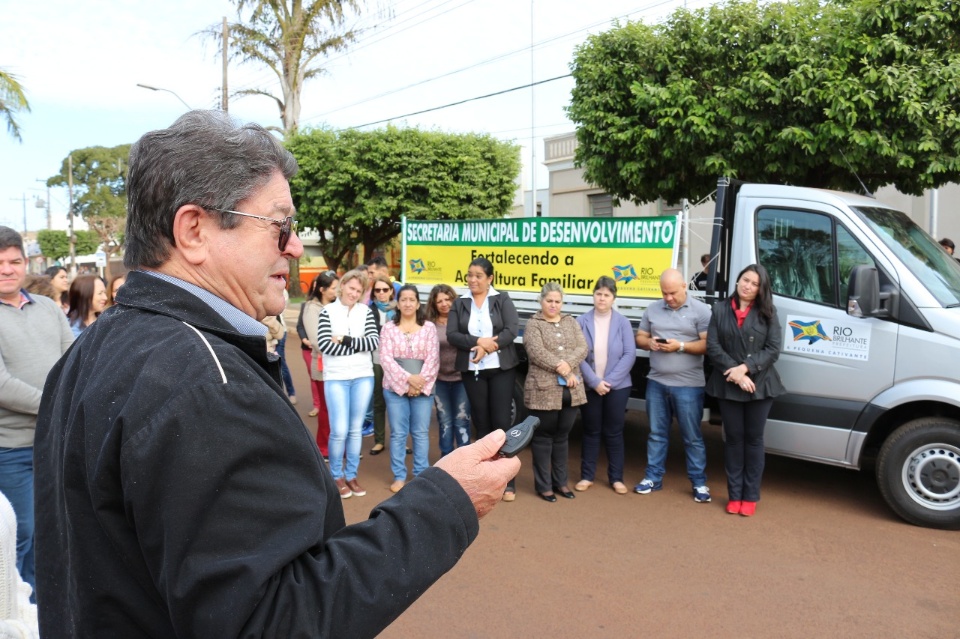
409	393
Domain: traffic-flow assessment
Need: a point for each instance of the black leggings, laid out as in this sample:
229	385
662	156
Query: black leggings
551	446
491	395
743	455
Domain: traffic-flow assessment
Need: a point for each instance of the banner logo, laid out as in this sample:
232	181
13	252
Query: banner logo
810	331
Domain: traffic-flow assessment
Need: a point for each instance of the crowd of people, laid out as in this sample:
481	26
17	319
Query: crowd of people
366	338
150	432
456	356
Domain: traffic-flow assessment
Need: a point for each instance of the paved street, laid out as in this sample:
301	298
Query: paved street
823	557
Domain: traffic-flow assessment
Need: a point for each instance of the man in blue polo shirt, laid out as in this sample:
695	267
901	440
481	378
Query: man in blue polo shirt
33	335
675	333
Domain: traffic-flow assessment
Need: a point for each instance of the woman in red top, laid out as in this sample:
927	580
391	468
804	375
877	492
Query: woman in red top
743	342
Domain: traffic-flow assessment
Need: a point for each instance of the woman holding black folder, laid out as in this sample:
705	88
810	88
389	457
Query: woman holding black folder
410	357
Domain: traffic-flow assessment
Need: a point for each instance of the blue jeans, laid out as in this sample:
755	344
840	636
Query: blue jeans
284	369
453	415
16	482
686	404
347	401
408	416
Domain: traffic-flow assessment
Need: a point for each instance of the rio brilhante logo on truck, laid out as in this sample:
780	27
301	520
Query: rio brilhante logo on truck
528	253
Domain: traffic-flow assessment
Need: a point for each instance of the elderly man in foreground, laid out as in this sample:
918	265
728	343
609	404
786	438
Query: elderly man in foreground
181	494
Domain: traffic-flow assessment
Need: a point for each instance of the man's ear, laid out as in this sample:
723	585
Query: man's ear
191	233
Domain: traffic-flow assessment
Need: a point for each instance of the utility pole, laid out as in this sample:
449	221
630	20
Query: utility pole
73	238
223	93
533	138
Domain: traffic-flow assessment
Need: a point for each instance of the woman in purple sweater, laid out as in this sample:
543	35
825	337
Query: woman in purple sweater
611	352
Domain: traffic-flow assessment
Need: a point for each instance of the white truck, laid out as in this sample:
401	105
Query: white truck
870	307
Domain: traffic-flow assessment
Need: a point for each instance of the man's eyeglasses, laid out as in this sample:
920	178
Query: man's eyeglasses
381	290
287	225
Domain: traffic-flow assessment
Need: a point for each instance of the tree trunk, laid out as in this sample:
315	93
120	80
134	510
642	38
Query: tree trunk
294	283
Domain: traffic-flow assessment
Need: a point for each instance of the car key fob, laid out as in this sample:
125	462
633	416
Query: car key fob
519	436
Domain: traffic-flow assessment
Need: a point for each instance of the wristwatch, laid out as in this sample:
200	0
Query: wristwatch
682	345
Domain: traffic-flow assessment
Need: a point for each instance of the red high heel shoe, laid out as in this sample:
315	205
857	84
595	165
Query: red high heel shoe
733	507
748	508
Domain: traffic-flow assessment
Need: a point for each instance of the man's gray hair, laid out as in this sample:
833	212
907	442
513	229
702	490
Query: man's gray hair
205	158
550	287
9	237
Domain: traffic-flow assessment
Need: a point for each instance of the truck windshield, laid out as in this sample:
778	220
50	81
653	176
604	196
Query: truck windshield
918	251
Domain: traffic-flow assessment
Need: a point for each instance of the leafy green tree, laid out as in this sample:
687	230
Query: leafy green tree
354	186
55	245
803	92
100	191
12	101
289	37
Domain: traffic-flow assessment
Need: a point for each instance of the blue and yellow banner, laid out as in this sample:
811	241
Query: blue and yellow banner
526	253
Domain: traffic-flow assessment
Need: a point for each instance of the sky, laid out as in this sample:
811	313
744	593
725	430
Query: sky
80	64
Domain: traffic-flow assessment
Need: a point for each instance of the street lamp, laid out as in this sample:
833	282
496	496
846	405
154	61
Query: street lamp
147	86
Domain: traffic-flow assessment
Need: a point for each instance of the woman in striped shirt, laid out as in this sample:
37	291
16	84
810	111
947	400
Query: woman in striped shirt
346	335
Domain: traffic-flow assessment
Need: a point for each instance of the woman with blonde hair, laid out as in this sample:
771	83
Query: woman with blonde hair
347	335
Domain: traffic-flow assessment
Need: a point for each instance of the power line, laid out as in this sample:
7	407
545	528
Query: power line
364	44
639	10
542	43
431	79
387	35
479	97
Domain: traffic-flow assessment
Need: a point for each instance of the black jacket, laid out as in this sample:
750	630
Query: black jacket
757	345
506	327
180	495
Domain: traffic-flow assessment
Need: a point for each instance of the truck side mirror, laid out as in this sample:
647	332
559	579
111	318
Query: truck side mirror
863	294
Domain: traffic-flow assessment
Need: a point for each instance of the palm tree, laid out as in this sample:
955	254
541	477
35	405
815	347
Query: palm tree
12	101
289	37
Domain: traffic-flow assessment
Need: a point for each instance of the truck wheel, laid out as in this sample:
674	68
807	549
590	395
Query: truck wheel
518	412
918	472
